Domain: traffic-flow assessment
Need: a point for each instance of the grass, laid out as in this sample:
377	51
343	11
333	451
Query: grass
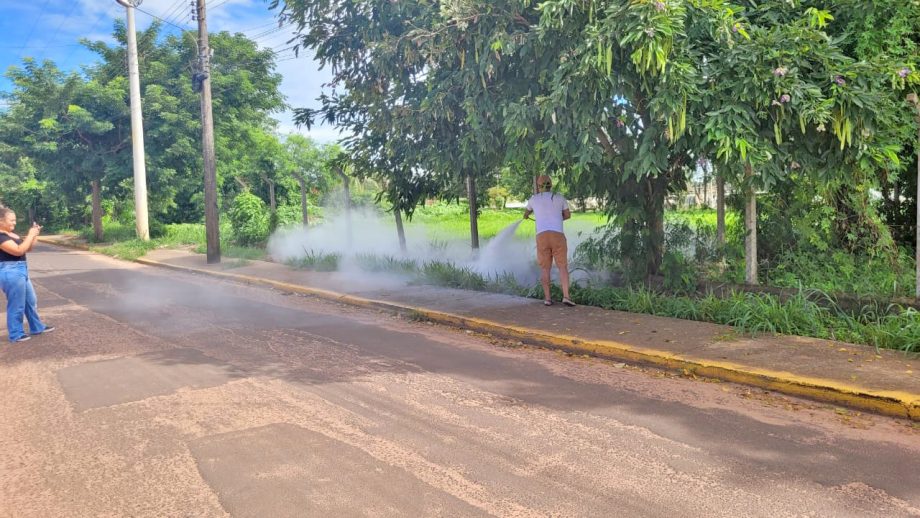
316	261
751	313
840	272
748	313
121	241
451	222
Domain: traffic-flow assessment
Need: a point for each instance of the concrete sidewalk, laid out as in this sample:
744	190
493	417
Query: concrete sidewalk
885	382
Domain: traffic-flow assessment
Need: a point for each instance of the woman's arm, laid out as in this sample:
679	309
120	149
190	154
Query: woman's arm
38	229
11	247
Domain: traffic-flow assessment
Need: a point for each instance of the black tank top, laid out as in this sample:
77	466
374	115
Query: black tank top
6	257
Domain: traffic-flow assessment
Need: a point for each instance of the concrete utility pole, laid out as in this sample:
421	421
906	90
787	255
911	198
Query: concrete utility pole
211	215
137	126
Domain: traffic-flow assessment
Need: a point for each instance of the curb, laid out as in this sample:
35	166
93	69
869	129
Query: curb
889	403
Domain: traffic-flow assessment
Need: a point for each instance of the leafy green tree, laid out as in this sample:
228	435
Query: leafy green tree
620	98
76	129
308	164
245	94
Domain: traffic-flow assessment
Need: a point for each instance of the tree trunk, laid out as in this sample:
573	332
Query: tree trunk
915	100
400	231
474	218
657	189
97	211
720	212
31	215
303	201
917	257
750	226
271	193
705	188
346	189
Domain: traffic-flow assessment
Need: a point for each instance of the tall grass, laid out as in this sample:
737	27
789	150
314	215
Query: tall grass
752	313
806	313
119	240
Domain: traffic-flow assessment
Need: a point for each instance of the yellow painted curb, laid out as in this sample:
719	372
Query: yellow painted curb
891	403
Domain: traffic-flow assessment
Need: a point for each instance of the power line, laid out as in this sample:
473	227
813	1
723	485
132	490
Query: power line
268	32
148	13
218	4
174	10
269	24
35	23
57	29
96	24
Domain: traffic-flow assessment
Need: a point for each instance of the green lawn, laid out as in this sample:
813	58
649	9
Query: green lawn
120	241
451	222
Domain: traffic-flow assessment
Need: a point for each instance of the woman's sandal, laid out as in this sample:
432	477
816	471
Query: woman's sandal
547	303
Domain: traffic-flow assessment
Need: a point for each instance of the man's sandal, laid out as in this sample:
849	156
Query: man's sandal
568	303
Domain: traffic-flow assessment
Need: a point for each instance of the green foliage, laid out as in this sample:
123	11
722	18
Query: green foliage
249	217
67	130
128	250
498	197
113	231
316	261
844	273
679	273
452	276
388	264
760	313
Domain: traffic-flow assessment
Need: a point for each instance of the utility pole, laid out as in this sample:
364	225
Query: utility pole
211	215
137	126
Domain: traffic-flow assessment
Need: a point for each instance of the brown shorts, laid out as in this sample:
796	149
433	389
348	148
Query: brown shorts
552	246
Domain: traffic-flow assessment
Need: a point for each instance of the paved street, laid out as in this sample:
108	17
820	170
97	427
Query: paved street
167	394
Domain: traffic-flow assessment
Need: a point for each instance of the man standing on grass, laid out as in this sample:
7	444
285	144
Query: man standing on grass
550	210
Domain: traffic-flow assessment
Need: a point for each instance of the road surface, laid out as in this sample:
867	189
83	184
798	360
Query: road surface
168	394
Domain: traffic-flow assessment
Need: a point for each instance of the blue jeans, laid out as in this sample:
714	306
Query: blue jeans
20	299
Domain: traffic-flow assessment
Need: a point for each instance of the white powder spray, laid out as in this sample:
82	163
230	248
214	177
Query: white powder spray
373	234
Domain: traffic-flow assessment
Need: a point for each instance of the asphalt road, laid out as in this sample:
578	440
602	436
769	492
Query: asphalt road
166	394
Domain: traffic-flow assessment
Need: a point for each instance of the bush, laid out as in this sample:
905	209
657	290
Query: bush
250	219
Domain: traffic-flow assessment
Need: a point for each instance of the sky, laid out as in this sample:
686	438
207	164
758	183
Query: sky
51	29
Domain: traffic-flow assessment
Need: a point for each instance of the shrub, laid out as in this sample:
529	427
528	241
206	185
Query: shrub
249	217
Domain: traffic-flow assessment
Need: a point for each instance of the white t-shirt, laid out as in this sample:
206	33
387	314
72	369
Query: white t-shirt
547	209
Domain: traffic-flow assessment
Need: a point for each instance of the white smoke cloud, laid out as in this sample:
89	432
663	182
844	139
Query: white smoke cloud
508	253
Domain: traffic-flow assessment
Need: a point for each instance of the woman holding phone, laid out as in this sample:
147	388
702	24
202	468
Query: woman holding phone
14	279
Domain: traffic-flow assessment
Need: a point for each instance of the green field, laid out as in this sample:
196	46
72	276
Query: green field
451	222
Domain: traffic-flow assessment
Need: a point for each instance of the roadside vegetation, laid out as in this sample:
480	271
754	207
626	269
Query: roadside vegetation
794	119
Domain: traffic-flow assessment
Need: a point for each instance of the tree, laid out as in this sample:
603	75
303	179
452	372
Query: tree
245	94
620	98
306	164
410	94
76	129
